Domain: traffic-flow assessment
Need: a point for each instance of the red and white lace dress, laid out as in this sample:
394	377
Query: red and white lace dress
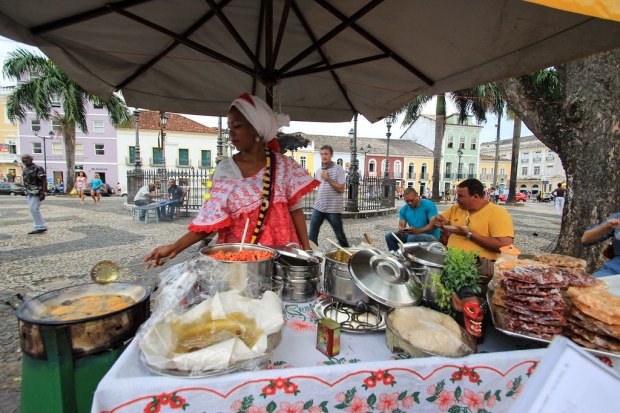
234	199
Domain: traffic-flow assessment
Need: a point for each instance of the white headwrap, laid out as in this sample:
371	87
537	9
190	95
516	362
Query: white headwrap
260	115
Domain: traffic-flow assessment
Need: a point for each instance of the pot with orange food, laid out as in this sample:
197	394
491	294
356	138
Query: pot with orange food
253	263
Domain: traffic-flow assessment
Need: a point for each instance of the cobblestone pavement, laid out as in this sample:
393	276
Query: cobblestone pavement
80	235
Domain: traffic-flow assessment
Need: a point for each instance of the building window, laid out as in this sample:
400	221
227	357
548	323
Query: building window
55	101
411	171
385	166
524	170
56	148
371	165
205	159
79	149
450	142
550	156
78	129
98	126
525	157
549	170
537	156
99	149
473	145
184	157
462	143
398	170
35	125
502	172
423	171
36	147
303	162
158	156
56	126
448	168
537	170
471	170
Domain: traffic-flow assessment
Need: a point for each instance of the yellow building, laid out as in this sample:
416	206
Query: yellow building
10	164
418	172
305	157
486	170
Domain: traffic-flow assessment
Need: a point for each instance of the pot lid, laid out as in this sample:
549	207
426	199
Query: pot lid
383	278
426	253
297	253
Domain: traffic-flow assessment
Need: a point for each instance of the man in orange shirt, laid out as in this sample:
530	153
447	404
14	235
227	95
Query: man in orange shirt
475	223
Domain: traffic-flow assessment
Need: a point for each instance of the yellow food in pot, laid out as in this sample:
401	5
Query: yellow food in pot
86	307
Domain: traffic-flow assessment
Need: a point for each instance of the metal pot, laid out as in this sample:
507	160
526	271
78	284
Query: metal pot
337	278
289	268
299	291
424	259
87	336
259	271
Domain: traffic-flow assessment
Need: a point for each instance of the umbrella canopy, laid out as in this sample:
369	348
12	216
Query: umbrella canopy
321	60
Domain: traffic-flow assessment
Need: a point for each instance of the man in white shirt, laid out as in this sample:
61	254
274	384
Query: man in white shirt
145	196
328	204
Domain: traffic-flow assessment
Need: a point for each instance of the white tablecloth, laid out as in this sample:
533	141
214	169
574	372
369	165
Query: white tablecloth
364	377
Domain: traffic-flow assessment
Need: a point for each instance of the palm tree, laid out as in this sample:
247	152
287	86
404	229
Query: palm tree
37	93
473	100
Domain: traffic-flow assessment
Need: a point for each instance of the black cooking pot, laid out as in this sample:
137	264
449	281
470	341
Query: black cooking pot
90	335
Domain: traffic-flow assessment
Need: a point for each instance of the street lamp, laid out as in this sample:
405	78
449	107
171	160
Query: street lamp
364	152
458	168
389	120
353	177
163	121
36	129
138	160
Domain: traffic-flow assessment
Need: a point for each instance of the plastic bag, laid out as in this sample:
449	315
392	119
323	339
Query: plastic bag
74	191
206	322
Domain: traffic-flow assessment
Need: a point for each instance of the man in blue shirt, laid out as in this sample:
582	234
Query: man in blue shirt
414	224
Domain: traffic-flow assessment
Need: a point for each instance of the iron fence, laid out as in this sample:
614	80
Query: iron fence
373	192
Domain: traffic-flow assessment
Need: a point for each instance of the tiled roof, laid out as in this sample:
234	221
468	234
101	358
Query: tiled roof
523	139
176	122
398	147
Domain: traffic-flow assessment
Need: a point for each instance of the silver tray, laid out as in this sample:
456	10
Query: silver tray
497	322
352	322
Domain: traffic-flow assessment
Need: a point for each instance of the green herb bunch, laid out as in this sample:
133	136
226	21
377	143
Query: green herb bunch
460	269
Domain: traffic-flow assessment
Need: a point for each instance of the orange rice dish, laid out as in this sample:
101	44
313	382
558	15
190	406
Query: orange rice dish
87	306
245	255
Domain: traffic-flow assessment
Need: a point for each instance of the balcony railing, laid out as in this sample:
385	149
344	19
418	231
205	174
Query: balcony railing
398	175
538	159
411	175
550	157
525	159
448	175
423	175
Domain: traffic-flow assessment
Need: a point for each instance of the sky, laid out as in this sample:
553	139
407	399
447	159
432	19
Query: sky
365	129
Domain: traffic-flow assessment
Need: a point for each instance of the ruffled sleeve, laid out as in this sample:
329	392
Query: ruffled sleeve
298	181
214	214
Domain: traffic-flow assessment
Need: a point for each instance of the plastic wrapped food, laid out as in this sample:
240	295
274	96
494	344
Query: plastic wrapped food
202	325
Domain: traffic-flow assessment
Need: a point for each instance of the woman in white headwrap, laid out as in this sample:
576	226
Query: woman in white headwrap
256	183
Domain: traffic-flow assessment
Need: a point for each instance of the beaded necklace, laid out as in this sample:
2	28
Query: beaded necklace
267	190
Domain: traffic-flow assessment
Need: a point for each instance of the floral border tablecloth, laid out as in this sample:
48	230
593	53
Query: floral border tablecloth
365	377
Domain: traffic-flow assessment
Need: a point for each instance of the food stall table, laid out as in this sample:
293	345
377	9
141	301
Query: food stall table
298	378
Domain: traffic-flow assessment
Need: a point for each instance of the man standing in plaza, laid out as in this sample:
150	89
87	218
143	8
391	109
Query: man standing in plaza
475	223
175	197
35	182
414	223
328	204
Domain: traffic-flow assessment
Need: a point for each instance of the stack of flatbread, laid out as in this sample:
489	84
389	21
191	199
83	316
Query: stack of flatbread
594	318
532	300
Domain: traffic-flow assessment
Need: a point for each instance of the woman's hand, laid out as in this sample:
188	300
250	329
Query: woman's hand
160	255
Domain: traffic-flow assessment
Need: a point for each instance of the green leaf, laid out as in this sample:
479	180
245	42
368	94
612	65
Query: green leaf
271	407
402	395
308	404
431	399
349	395
487	395
416	397
457	393
372	399
341	406
498	395
247	402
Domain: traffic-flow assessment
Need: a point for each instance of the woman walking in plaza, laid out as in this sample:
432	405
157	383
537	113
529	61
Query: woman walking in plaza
95	187
257	185
80	185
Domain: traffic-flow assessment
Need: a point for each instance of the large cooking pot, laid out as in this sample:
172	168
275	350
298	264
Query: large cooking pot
338	282
424	259
89	335
259	271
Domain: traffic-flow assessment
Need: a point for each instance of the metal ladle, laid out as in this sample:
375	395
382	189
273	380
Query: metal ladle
107	271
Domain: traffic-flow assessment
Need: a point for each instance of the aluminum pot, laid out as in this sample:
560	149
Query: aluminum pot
337	278
89	335
289	268
299	291
423	259
259	271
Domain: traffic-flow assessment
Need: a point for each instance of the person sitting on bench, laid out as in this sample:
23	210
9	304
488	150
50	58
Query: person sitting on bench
146	196
176	194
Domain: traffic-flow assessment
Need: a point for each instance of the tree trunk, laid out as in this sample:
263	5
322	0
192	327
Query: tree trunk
440	123
584	130
514	162
68	133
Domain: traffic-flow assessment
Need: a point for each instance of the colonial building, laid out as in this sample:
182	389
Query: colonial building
461	145
539	168
188	145
486	170
10	163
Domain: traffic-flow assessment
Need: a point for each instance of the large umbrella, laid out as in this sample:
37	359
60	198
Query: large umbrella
321	60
